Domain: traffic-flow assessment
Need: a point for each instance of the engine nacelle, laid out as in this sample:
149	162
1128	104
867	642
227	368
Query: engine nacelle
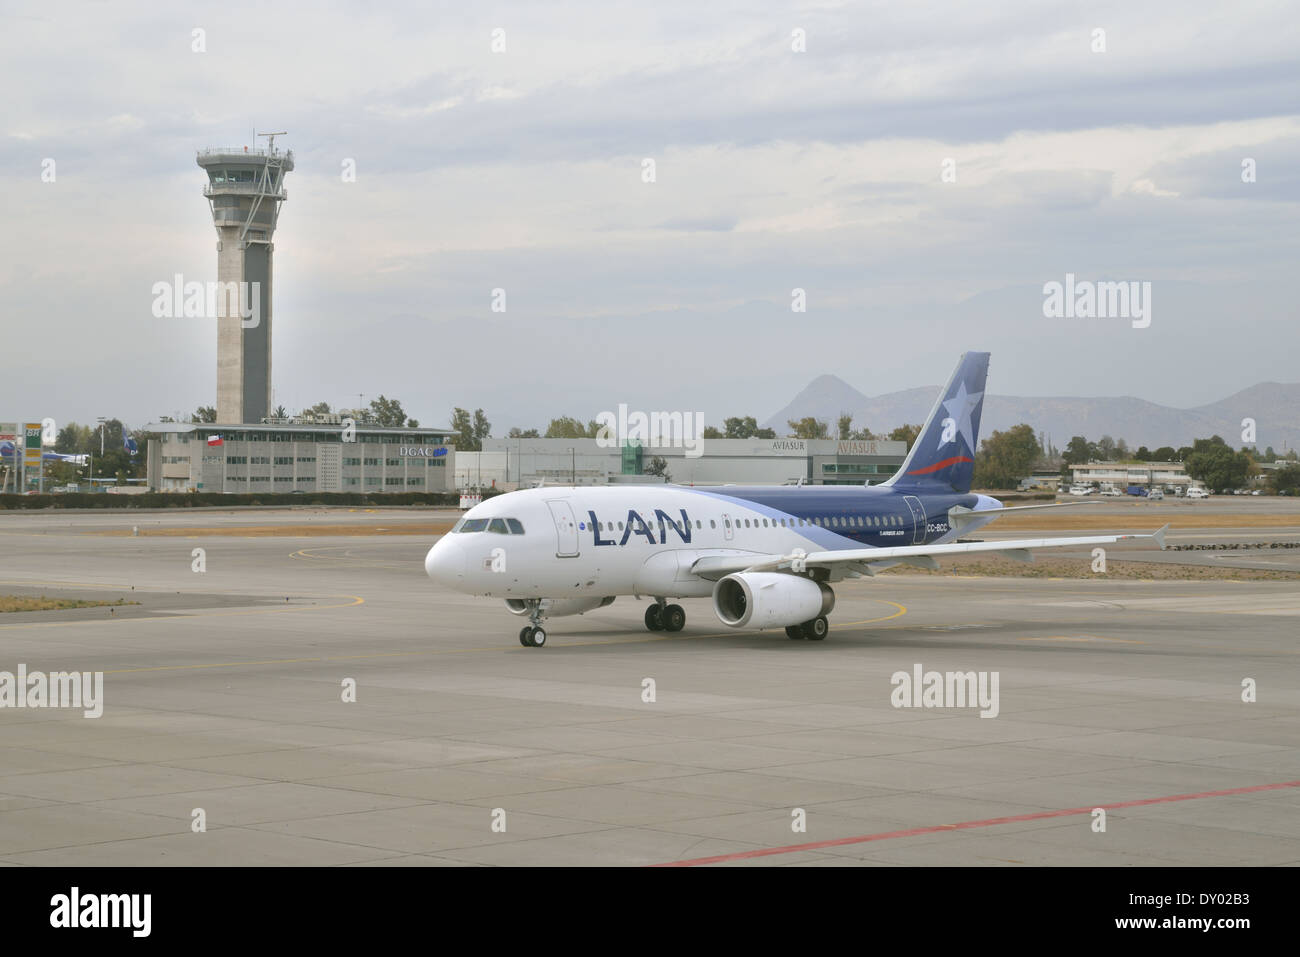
770	600
557	607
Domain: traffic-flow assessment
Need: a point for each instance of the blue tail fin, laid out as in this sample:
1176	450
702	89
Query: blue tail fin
943	457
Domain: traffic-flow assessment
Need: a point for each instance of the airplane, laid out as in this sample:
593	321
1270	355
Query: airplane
766	555
7	451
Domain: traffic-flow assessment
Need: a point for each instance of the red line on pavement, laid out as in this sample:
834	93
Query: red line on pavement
966	825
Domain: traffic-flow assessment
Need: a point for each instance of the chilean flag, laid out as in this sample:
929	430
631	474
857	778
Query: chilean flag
214	440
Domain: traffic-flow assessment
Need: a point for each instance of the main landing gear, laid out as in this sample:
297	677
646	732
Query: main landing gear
662	616
532	636
814	630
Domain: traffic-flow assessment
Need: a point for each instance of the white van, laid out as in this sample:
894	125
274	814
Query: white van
1197	493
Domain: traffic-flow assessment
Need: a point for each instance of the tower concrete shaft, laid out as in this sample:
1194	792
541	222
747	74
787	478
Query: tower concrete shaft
245	189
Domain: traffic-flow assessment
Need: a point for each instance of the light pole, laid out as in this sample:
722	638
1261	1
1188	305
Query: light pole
573	468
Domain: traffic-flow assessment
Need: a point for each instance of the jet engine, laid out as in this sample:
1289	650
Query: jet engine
770	600
557	607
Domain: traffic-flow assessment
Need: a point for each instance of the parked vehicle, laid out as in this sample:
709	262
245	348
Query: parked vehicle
1155	495
1110	492
1080	489
1137	490
1197	493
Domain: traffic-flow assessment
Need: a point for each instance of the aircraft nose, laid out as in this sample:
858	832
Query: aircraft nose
445	562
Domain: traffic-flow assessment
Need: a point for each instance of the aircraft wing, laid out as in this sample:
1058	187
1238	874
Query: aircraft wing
860	559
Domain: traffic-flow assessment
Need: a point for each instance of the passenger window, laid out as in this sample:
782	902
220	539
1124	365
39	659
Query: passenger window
516	528
713	523
620	526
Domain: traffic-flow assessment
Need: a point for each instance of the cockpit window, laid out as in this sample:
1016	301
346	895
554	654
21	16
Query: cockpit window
498	525
472	525
516	527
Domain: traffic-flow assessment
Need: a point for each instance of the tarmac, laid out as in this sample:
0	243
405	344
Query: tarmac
224	693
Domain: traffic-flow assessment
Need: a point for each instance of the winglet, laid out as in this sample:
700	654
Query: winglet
1159	536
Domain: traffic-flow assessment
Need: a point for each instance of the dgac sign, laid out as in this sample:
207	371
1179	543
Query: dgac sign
422	451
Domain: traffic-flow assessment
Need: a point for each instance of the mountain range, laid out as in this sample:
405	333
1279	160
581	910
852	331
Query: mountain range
1274	406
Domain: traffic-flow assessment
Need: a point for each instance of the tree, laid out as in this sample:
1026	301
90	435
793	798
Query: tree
712	432
1286	479
905	433
387	413
1077	452
658	466
567	427
73	439
845	425
809	428
62	473
204	413
482	428
320	408
1106	448
518	433
1006	457
745	427
463	426
1166	453
280	412
1214	463
1143	454
847	431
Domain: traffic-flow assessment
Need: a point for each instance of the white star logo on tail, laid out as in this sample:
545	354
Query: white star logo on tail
960	407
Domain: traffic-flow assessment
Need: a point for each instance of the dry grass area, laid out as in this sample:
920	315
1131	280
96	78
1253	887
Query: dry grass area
18	603
999	567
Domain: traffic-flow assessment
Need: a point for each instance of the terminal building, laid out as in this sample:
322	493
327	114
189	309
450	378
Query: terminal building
1123	474
298	456
520	463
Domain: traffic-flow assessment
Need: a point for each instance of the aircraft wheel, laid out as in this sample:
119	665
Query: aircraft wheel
654	619
794	632
525	638
537	638
816	629
674	618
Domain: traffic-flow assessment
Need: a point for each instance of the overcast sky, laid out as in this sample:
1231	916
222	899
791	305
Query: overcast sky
775	169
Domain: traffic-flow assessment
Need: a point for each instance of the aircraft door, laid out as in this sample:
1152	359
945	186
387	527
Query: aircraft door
727	530
566	528
918	519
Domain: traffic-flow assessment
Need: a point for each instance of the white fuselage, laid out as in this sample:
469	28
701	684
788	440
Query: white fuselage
566	542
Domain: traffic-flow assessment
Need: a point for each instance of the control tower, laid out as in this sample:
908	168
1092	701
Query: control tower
245	189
